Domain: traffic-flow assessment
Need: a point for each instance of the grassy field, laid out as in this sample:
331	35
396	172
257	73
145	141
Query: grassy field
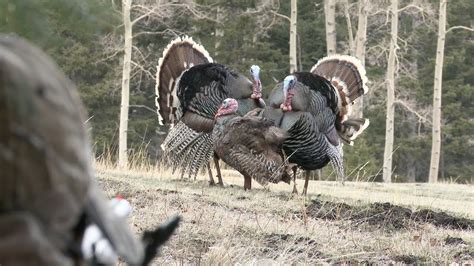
417	223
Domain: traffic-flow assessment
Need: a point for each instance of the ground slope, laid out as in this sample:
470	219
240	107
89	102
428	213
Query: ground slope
360	222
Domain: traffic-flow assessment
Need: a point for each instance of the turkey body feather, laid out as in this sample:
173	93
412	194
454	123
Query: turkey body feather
253	146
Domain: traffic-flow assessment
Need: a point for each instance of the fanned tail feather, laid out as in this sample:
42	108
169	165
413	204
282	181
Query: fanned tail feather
347	75
180	54
352	128
187	150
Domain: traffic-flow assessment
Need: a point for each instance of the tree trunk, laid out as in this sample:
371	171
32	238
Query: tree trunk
438	79
361	36
349	27
330	19
361	39
293	30
390	80
298	49
123	160
219	32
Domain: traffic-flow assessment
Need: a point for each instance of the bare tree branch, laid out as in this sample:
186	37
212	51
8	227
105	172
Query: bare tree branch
148	13
143	69
151	33
459	27
144	107
421	118
109	57
280	15
420	9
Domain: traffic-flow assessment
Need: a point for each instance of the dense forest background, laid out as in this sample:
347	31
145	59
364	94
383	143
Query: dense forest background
86	40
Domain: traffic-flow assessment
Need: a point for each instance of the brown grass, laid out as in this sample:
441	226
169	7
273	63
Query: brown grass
231	226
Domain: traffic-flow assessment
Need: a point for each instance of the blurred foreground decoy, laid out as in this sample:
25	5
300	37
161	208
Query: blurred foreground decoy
48	194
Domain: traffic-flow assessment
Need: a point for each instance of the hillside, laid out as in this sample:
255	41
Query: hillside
358	222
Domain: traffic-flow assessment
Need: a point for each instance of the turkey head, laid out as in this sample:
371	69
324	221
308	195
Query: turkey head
288	92
256	84
228	106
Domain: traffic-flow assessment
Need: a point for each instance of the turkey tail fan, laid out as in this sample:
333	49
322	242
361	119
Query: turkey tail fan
180	54
347	75
187	149
351	128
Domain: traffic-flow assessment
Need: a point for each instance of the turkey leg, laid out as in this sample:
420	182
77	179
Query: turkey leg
306	181
295	191
218	169
211	179
247	182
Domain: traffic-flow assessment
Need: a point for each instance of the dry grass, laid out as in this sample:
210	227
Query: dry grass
231	226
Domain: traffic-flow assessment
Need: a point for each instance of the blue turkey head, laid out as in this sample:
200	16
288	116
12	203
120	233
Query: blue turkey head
288	86
256	84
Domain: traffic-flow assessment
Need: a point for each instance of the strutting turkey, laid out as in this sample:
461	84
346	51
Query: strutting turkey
313	108
190	89
251	144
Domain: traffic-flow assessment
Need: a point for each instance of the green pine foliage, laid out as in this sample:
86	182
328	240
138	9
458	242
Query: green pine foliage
73	31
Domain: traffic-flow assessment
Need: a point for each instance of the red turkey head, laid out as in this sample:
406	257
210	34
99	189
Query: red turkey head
288	92
256	84
228	106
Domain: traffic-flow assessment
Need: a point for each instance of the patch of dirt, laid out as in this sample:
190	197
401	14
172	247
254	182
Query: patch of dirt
384	215
408	259
274	243
242	198
443	219
167	191
192	248
328	210
200	245
449	240
464	255
282	196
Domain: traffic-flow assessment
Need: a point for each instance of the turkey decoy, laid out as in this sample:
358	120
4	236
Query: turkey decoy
48	193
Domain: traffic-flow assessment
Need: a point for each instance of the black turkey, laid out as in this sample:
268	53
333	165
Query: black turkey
190	89
313	108
251	144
